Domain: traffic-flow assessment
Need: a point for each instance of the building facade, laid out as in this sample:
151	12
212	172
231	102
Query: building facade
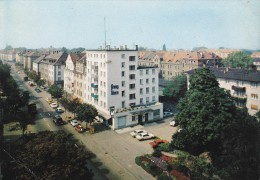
244	86
124	93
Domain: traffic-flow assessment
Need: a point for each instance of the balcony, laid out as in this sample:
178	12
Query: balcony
95	96
93	85
241	99
237	88
94	67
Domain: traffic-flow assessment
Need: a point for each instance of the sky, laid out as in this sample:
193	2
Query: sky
148	23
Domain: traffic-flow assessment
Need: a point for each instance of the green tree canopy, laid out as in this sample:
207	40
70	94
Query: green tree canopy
238	59
86	112
49	155
176	88
203	112
55	91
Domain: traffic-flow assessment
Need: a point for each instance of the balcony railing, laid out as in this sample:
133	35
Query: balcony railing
95	96
241	99
94	85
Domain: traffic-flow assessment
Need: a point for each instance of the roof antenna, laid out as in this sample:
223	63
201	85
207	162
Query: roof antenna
105	32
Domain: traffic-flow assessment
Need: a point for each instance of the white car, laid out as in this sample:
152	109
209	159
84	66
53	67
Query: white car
74	123
179	130
145	136
136	132
172	123
59	110
54	105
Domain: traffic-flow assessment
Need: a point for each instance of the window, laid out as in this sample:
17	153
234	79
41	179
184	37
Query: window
122	64
123	56
153	71
147	90
133	118
104	84
147	71
59	78
147	99
59	73
132	86
153	89
131	58
132	96
153	98
59	67
123	93
132	104
123	104
141	82
132	76
141	101
254	96
156	112
147	81
153	80
132	67
141	72
253	84
123	83
141	91
227	80
123	73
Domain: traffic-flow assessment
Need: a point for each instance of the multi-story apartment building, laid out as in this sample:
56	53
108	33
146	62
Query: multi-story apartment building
8	55
244	86
123	92
52	68
256	62
37	62
28	59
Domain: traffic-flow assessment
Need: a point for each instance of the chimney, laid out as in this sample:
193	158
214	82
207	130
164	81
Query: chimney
136	47
125	47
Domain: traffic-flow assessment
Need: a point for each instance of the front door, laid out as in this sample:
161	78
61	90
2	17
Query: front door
146	117
140	119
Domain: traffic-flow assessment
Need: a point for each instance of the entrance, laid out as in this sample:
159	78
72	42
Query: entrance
140	119
146	117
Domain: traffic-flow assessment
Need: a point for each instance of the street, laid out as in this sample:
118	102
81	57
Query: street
115	150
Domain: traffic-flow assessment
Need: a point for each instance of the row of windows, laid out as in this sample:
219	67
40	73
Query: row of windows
96	55
241	83
141	101
132	86
146	71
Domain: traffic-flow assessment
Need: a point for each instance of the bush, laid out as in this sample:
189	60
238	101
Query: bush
153	169
164	147
138	161
164	176
157	153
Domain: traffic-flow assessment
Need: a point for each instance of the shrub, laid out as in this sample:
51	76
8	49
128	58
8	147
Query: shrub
153	169
164	147
164	176
138	160
157	153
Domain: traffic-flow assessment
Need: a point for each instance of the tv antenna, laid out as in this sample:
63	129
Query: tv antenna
105	32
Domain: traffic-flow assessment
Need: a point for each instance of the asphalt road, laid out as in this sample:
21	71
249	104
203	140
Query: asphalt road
115	151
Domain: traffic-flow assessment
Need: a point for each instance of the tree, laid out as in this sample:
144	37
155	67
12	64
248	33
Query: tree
203	112
164	47
8	47
64	50
257	115
238	60
55	91
177	88
86	112
72	105
47	155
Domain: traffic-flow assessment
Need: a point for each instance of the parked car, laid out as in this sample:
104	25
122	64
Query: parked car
43	87
167	114
58	120
173	123
54	105
49	100
179	130
59	110
156	142
145	136
136	132
37	90
74	122
79	128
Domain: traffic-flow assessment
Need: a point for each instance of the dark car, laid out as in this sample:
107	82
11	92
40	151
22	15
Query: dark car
58	120
37	90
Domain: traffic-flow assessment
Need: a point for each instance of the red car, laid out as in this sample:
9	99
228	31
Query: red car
79	128
156	142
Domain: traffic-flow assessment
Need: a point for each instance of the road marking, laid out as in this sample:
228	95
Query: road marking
49	125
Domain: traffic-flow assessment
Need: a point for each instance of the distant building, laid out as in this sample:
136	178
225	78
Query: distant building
37	62
28	59
8	55
244	86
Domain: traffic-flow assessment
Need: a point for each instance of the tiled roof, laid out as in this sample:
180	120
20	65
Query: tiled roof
76	56
235	74
58	58
255	55
33	54
39	59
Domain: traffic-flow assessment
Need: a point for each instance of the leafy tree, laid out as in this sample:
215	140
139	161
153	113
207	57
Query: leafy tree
257	115
47	155
65	102
8	47
72	105
203	112
64	50
238	59
86	112
55	91
177	88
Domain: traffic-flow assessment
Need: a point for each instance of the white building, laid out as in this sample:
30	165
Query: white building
36	63
122	91
52	68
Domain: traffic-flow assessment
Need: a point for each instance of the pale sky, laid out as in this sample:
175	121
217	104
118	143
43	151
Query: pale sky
147	23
